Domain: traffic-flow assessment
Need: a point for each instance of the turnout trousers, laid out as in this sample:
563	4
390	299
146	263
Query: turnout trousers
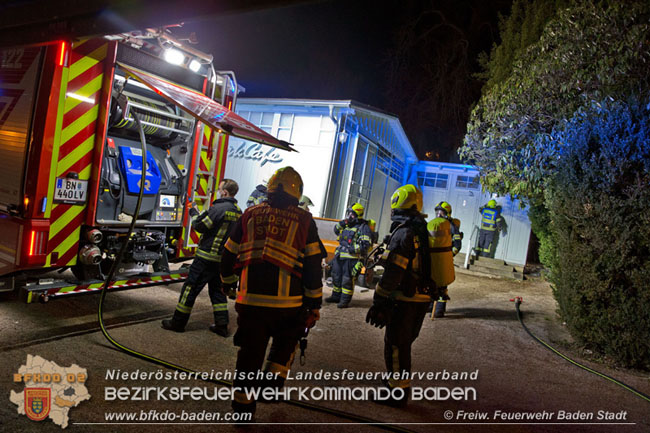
202	272
401	332
255	326
343	279
485	239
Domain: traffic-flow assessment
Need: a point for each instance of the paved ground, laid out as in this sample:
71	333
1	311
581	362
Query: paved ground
481	333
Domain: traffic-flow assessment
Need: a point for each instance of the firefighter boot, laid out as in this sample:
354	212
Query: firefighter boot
335	297
346	297
220	326
441	307
246	411
177	322
219	329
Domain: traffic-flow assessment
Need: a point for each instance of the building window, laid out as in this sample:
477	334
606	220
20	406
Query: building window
266	124
432	180
397	170
284	128
383	161
467	182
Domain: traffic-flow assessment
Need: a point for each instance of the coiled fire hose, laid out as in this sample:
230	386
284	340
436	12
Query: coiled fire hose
518	300
172	366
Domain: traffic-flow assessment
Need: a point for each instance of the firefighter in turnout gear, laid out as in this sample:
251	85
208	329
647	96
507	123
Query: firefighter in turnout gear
214	226
491	222
276	248
403	293
444	243
354	238
257	196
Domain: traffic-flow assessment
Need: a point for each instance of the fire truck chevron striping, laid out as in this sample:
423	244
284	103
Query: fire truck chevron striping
79	123
71	163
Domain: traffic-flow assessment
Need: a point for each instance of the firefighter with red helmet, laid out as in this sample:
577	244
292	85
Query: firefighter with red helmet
276	248
354	238
445	241
214	226
403	293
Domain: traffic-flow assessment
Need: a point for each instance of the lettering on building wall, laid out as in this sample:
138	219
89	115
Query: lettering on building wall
256	152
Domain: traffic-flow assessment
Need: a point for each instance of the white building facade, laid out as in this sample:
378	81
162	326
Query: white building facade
348	152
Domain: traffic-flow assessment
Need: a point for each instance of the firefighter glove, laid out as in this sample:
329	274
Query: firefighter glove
312	318
380	314
230	290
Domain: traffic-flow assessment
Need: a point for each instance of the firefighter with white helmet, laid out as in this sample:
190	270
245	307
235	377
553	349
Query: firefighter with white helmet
354	238
305	203
403	293
276	248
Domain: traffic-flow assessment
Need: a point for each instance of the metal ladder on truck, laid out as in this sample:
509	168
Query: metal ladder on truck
203	201
227	79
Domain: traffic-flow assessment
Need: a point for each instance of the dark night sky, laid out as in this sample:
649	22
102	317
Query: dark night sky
344	49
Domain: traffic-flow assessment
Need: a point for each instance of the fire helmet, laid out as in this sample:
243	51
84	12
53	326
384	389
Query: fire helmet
286	179
443	205
407	197
492	204
358	209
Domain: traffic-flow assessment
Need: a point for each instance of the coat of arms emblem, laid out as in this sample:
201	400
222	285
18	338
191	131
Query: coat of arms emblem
37	403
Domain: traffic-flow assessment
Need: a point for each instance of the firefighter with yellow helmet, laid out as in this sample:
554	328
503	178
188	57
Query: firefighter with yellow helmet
491	223
444	243
403	293
354	238
276	248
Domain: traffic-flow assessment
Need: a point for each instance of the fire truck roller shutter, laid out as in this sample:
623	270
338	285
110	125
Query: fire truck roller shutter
158	119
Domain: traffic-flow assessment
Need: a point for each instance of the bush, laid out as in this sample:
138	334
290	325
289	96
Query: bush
599	208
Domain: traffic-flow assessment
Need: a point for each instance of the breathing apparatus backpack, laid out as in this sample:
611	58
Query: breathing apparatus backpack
440	252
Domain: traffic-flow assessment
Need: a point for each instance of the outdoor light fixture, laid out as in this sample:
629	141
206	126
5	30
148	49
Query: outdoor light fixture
174	56
194	65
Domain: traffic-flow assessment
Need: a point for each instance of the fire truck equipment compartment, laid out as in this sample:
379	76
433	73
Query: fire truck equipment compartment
131	164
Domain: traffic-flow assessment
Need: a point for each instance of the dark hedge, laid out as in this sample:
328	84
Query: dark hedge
599	229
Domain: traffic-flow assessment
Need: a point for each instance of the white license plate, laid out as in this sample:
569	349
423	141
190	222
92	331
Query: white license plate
70	190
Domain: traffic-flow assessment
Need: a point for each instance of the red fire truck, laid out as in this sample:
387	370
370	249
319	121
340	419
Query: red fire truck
71	158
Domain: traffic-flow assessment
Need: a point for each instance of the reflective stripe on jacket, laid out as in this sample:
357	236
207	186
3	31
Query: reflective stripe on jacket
279	253
456	236
402	258
489	219
214	226
354	240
